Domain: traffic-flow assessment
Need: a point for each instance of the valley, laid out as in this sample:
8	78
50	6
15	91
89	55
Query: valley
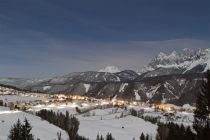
96	116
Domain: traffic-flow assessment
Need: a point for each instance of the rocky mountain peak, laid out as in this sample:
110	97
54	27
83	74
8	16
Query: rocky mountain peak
110	69
185	61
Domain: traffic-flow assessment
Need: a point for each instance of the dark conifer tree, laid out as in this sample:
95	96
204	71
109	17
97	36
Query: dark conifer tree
73	127
21	131
15	132
147	137
189	135
26	131
59	135
142	137
201	114
162	132
99	137
109	137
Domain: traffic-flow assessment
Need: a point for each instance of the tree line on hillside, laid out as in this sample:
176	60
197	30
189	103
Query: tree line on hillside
67	122
172	131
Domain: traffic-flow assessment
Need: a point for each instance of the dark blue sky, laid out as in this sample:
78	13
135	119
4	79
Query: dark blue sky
43	38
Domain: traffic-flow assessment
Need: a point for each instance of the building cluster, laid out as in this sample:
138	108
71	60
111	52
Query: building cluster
45	100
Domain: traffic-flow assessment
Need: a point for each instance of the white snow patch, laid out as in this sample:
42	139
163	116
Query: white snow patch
181	81
87	87
122	87
47	87
152	91
118	79
187	106
115	97
97	75
137	95
110	69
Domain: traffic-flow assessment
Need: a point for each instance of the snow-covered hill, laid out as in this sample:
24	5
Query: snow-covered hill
40	129
186	61
133	127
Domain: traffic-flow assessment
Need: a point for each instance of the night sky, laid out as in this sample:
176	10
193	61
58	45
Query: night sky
45	38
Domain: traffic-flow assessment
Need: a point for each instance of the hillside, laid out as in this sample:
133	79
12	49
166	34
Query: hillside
173	78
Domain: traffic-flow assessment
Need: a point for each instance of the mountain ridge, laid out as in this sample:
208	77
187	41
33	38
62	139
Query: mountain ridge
186	61
158	84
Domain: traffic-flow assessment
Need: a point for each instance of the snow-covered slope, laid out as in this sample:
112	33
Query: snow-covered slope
133	127
110	120
40	129
110	69
186	61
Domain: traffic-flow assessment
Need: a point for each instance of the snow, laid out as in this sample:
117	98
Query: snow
46	87
115	97
162	56
194	64
188	107
137	95
186	60
97	75
41	129
62	108
118	79
58	80
207	65
181	81
133	126
87	87
96	121
184	118
152	91
102	121
110	69
122	87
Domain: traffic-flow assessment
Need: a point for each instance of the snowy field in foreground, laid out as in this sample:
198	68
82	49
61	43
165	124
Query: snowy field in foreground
41	129
97	121
133	127
106	120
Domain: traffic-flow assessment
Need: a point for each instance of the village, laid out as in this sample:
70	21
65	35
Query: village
26	101
92	112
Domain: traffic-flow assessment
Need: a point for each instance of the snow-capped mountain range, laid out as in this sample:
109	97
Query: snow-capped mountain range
186	61
172	78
